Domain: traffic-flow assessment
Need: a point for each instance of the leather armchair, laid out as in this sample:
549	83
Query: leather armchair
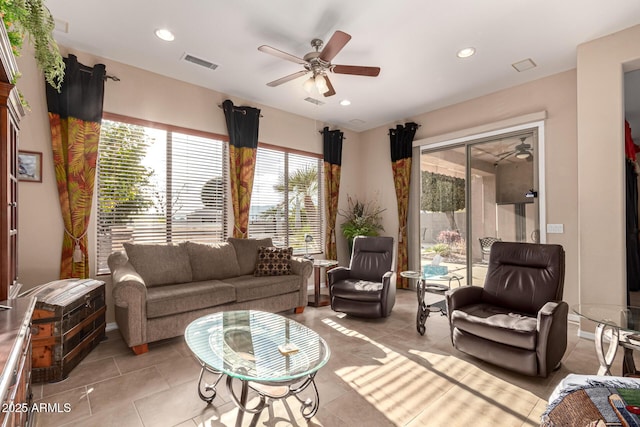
517	320
368	287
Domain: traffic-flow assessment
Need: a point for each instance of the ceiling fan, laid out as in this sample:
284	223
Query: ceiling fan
318	63
521	151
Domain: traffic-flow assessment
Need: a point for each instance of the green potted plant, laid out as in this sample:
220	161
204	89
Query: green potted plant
362	219
31	18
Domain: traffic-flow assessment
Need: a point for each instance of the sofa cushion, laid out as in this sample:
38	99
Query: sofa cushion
209	262
250	288
497	324
184	297
160	264
247	252
272	261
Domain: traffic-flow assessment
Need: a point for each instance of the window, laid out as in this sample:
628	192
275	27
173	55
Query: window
156	185
287	202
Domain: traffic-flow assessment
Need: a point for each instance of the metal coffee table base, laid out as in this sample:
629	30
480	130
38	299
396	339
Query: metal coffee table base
277	390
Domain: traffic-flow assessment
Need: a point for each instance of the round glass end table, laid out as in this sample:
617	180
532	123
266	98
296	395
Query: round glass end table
425	284
320	266
275	356
620	326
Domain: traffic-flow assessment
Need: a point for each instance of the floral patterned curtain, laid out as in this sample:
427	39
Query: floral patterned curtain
75	115
401	144
242	125
332	141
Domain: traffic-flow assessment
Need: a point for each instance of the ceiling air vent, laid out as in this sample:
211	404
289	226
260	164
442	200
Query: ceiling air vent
199	61
524	65
313	101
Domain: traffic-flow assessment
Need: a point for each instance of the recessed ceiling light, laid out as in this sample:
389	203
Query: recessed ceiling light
164	34
466	52
345	102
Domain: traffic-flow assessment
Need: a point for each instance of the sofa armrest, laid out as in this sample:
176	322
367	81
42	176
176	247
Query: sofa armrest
552	335
130	299
302	267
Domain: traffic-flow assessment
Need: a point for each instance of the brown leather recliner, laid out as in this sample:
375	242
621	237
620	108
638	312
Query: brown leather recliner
368	287
517	320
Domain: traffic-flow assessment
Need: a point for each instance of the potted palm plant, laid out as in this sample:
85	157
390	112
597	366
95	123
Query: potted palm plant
362	219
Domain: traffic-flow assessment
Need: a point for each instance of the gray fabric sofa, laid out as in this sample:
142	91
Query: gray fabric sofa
159	289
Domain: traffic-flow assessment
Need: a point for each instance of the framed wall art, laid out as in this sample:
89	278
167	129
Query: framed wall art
30	166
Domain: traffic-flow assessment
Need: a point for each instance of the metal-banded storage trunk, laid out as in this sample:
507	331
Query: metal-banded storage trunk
67	323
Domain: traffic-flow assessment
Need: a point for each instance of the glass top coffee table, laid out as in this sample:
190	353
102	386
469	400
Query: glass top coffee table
618	324
275	356
426	284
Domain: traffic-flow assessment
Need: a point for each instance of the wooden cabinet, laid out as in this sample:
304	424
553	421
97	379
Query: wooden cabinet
15	357
10	113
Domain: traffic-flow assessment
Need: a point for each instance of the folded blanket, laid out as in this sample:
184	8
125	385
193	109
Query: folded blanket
584	400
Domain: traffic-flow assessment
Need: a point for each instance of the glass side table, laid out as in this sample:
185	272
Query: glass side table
425	284
320	268
618	324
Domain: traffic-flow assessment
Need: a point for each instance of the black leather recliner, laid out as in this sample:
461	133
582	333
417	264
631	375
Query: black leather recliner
517	320
368	287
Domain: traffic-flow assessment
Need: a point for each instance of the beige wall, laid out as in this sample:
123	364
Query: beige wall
557	96
586	102
601	196
143	95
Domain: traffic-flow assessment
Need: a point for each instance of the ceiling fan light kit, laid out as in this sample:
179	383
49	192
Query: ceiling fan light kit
522	151
318	63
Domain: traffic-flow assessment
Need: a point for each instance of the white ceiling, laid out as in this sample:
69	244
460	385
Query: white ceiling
413	41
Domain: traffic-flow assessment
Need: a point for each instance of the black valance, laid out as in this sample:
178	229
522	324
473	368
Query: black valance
242	124
81	94
401	140
332	142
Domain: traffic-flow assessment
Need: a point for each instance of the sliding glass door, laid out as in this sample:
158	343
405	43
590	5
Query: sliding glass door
443	219
475	193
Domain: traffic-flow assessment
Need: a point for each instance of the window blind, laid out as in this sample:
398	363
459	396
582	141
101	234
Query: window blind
287	201
158	186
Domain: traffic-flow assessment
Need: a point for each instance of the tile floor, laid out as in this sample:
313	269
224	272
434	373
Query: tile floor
381	373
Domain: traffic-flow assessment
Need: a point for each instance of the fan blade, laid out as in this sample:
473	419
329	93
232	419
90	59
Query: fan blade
505	156
282	55
337	41
356	70
505	152
287	78
331	90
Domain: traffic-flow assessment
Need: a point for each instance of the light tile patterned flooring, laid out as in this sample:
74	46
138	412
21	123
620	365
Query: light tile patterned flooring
381	373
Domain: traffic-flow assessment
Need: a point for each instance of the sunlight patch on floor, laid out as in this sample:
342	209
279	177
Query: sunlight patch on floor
401	386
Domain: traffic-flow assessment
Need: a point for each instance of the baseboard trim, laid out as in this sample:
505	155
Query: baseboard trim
573	318
111	327
587	335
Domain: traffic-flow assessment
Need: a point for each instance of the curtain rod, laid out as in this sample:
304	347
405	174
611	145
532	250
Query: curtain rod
107	76
343	137
419	126
237	109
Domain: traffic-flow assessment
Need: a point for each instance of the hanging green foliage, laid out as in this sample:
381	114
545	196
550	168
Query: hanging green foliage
31	18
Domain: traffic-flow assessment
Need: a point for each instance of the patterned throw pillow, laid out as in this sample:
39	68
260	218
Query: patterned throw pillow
273	261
